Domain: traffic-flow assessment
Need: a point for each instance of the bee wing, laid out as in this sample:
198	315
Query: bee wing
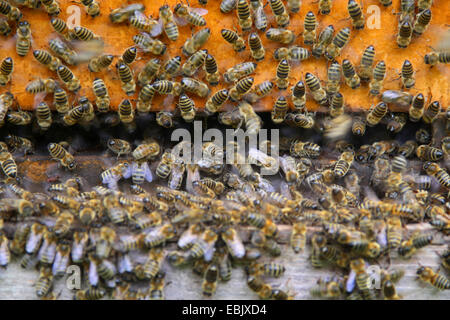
93	274
351	282
235	246
265	185
124	264
127	172
56	263
199	11
32	242
157	29
193	174
187	238
180	21
4	256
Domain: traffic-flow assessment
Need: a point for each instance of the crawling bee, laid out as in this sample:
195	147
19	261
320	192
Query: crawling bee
437	280
433	169
310	25
344	163
234	39
298	237
92	7
169	25
149	45
339	41
51	6
120	15
194	43
119	146
194	62
283	36
280	13
325	37
356	14
23	42
317	91
17	143
243	14
433	58
259	16
191	15
57	152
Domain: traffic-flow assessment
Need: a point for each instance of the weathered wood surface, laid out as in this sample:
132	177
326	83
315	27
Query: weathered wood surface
300	276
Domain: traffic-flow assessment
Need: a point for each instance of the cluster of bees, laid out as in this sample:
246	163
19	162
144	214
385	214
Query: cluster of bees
205	205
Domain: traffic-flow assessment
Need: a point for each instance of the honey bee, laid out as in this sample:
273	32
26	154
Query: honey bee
52	7
194	62
227	5
234	39
298	237
5	255
283	36
243	14
6	101
92	293
427	153
324	40
343	164
11	12
44	283
317	91
57	152
339	41
176	175
356	14
170	27
159	235
34	239
404	34
433	169
362	277
62	257
396	122
240	88
146	151
431	112
101	62
263	290
5	29
19	118
191	15
310	25
70	80
350	76
156	287
417	108
194	43
210	278
92	7
426	274
120	15
234	243
280	13
6	68
140	172
423	18
433	58
17	143
216	101
149	45
282	75
376	113
126	78
23	42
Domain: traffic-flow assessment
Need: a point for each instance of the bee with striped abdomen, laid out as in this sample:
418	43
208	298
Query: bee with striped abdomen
404	34
356	14
334	49
6	69
234	39
310	25
376	84
256	48
283	36
280	13
102	99
92	7
376	113
169	25
191	15
194	43
51	6
216	101
317	91
45	58
343	164
433	58
437	280
126	78
422	21
325	37
350	76
101	62
57	152
43	116
70	80
243	14
149	45
282	75
23	42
